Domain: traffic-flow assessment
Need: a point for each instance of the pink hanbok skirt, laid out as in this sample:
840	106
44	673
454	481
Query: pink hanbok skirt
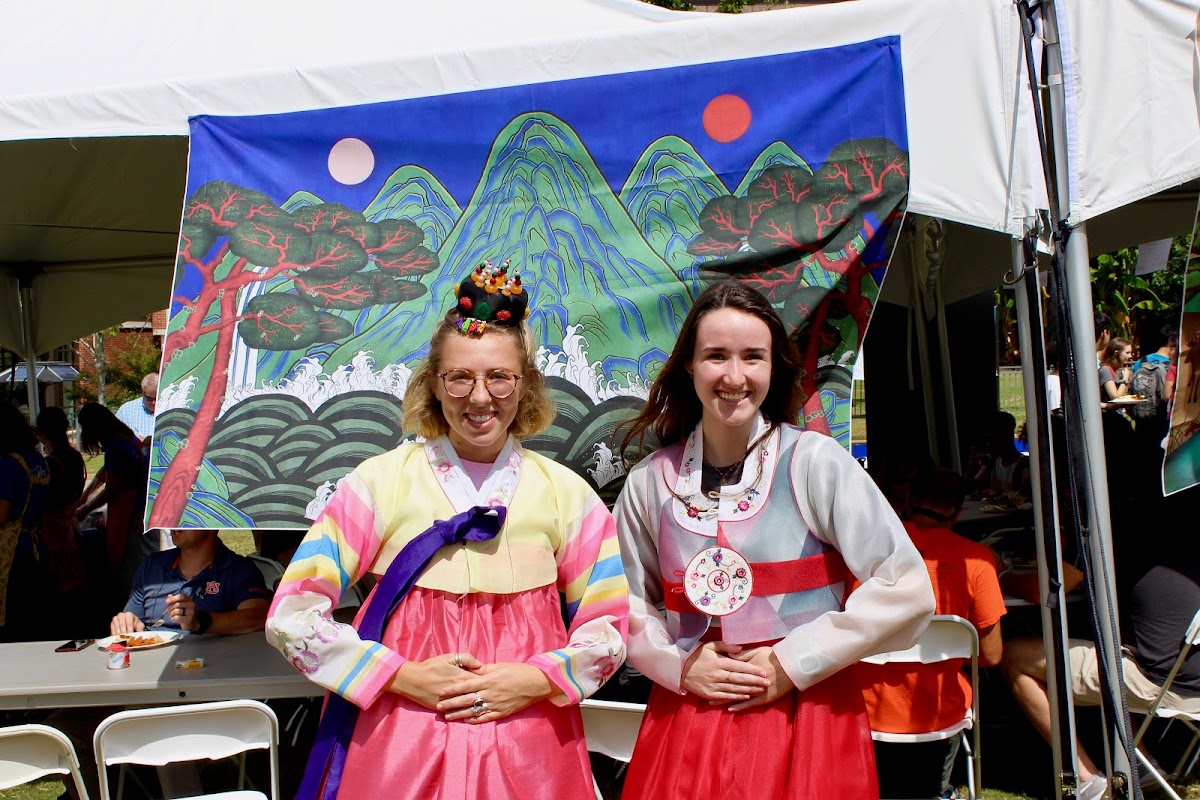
404	751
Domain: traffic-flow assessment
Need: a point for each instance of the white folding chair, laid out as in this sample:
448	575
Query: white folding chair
1191	638
948	636
611	729
159	736
29	752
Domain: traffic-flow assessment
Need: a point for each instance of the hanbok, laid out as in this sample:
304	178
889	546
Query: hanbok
803	517
500	600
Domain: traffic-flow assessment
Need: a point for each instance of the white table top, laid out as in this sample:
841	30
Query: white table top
32	675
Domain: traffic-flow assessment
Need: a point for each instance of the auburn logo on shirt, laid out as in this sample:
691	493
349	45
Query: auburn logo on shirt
212	587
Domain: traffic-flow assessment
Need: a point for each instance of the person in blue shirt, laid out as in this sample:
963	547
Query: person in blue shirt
200	587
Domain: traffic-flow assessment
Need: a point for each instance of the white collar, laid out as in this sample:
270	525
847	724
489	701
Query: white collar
700	514
497	489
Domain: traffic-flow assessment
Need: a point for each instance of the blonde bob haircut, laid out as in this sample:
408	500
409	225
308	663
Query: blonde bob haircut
423	411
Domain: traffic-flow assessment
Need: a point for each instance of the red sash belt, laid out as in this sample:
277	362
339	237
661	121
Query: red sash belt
774	577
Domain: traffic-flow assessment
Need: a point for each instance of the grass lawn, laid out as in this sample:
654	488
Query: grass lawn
93	465
238	541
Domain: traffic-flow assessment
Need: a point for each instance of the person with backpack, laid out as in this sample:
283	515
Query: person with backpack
1150	382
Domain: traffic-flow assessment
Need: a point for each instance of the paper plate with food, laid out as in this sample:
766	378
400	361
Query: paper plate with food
143	640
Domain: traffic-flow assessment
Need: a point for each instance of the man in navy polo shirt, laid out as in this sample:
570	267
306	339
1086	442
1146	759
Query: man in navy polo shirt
200	587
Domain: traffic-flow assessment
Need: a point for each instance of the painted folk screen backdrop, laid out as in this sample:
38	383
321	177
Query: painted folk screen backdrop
319	249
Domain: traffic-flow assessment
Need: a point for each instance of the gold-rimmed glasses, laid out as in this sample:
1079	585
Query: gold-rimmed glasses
500	383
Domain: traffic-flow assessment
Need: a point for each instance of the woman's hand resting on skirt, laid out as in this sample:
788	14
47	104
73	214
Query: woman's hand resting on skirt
715	672
494	691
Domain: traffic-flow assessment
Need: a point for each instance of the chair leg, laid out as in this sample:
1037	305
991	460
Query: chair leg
1159	779
972	767
1191	753
596	786
77	779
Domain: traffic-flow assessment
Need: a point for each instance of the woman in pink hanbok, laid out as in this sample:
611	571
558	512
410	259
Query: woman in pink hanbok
459	678
739	538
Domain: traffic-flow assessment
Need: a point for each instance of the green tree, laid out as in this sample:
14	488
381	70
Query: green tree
1120	293
1116	290
112	379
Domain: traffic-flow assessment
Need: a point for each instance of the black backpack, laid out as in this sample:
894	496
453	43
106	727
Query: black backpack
1148	383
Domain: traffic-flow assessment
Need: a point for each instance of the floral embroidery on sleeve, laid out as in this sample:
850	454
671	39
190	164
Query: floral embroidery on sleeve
314	627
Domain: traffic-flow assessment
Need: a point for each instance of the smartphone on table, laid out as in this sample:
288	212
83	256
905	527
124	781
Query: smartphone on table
74	646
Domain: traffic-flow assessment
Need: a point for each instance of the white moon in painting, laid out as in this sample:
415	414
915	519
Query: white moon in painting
351	161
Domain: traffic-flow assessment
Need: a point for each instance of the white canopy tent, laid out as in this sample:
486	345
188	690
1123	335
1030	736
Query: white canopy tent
94	107
95	99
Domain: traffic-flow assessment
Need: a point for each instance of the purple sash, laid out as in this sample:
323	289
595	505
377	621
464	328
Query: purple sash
328	756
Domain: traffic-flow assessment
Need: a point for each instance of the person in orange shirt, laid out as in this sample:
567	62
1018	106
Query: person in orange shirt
908	698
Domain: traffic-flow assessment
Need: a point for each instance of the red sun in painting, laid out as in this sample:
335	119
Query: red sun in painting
726	117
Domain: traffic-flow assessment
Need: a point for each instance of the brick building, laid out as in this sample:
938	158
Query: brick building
141	336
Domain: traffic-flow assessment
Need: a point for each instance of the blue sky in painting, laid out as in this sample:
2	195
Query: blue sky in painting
859	86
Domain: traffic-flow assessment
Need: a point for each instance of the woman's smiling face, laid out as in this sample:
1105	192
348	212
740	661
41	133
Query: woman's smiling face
731	367
479	423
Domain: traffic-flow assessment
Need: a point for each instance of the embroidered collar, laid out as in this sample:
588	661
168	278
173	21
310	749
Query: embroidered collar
497	488
699	513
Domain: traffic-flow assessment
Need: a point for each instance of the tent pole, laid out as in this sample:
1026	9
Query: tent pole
1096	501
1093	483
947	380
1045	512
31	385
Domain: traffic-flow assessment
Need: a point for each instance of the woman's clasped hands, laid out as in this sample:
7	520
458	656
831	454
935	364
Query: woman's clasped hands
462	688
728	673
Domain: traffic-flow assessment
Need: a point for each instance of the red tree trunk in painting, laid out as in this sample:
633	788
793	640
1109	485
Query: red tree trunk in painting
312	262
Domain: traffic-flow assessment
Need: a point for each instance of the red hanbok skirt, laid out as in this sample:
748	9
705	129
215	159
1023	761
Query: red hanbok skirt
806	745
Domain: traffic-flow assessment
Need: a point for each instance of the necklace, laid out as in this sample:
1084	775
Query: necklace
693	502
728	474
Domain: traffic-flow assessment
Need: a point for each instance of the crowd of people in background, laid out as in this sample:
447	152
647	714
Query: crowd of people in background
69	547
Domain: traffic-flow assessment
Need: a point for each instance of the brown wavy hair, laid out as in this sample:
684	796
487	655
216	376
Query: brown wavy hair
1114	347
673	409
423	413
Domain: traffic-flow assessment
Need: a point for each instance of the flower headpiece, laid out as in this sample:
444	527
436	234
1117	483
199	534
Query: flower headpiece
491	294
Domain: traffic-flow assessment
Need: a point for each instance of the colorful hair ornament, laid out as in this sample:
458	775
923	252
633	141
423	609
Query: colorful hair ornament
490	294
471	327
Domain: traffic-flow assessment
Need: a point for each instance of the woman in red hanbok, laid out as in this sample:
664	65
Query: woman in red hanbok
738	538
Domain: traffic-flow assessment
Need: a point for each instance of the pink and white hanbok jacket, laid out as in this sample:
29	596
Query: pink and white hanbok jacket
804	515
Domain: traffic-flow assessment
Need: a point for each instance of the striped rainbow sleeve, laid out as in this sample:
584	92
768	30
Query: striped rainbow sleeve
592	578
334	554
